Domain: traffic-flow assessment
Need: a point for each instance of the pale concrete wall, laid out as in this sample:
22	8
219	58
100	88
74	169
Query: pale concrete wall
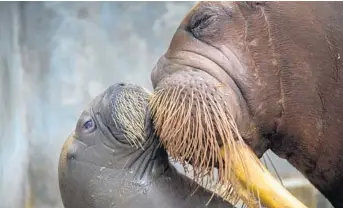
54	58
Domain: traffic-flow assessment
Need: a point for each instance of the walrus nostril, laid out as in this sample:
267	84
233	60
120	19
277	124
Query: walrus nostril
121	84
71	156
71	151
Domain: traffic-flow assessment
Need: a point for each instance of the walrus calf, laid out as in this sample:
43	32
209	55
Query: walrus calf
265	73
113	159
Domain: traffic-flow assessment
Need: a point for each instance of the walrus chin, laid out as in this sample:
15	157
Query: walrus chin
197	125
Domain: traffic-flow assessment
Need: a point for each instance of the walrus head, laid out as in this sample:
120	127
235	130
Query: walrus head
108	152
107	118
200	105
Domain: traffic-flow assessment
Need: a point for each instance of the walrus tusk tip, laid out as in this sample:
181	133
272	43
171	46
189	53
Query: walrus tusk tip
260	181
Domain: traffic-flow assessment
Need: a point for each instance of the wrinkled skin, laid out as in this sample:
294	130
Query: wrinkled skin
279	64
100	169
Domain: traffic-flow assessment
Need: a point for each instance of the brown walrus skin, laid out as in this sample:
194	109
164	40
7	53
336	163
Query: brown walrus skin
278	67
113	159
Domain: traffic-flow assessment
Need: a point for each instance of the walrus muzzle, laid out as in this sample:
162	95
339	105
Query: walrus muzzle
197	123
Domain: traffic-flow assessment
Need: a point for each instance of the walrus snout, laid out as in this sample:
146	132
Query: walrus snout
188	99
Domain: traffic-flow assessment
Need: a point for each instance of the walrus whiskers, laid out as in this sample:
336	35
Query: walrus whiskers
193	126
133	122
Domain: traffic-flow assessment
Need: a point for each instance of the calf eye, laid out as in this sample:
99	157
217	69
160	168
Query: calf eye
89	126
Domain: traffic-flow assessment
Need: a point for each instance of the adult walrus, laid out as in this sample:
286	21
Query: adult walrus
267	73
113	159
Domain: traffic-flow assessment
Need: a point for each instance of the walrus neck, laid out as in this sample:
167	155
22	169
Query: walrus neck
149	162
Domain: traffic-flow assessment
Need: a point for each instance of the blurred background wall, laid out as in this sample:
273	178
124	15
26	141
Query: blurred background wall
54	58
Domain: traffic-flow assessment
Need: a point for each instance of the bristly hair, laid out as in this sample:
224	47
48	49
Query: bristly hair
197	127
130	105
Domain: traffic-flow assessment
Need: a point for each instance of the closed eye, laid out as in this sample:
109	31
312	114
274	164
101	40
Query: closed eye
199	22
202	22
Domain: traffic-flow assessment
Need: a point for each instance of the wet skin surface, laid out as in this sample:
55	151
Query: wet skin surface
100	169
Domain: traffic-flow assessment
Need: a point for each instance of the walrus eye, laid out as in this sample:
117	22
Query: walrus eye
200	22
89	126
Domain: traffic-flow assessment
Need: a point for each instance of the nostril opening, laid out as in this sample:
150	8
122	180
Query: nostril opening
71	156
71	152
121	84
